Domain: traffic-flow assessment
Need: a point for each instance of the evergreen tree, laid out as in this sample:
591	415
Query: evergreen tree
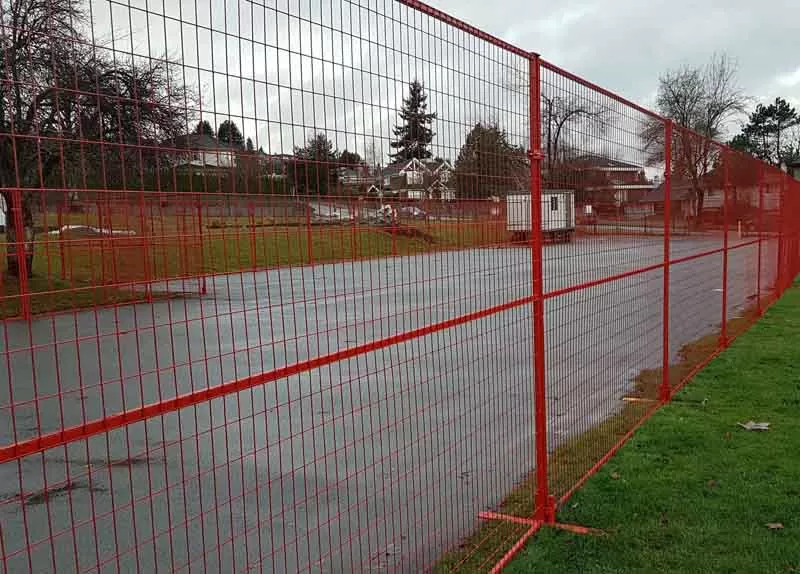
229	133
203	127
349	158
488	164
415	135
771	133
314	169
250	145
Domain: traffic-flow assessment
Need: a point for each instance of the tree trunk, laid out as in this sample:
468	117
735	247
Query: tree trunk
26	219
698	217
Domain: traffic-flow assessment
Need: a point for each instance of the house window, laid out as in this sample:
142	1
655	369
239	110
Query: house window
553	203
414	178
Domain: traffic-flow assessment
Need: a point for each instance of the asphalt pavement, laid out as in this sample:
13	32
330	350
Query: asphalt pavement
374	463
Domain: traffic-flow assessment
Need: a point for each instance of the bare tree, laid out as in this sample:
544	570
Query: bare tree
565	118
372	156
702	99
562	117
71	117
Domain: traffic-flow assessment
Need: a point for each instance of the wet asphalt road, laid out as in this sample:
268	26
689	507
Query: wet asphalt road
375	463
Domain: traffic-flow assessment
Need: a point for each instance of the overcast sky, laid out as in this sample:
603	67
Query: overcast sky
624	45
285	68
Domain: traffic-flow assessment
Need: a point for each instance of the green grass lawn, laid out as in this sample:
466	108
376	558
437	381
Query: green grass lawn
692	491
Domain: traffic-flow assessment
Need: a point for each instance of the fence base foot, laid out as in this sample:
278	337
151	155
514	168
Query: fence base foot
547	514
574	528
638	400
577	529
534	525
509	518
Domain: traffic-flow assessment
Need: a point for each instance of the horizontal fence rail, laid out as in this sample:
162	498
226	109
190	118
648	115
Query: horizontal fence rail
339	286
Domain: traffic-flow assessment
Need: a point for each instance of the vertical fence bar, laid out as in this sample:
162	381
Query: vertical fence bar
251	218
147	245
354	214
309	235
666	389
779	280
203	287
761	184
723	336
544	506
20	255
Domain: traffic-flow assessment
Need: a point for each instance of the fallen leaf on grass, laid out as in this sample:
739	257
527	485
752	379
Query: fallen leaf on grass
775	526
712	483
754	426
727	436
614	476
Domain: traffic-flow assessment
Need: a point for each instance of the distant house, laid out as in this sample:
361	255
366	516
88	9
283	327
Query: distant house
683	200
356	175
613	181
200	153
417	180
275	166
440	190
440	169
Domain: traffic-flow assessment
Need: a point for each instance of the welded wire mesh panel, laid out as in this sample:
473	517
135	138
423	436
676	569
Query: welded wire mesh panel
769	219
745	179
327	362
604	288
338	286
604	354
700	260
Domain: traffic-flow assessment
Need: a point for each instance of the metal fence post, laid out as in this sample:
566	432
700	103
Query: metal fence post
666	388
723	336
779	280
544	504
761	184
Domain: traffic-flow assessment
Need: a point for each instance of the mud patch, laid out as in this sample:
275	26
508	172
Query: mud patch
39	497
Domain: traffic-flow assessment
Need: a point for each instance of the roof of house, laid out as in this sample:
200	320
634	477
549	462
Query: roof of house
595	161
435	165
678	192
352	171
432	165
198	142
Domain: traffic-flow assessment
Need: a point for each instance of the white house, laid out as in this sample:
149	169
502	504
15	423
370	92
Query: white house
200	152
417	180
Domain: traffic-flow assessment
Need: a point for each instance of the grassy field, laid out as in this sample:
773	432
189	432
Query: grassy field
76	269
693	491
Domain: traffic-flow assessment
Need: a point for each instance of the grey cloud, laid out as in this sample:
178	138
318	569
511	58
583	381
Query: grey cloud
625	44
282	68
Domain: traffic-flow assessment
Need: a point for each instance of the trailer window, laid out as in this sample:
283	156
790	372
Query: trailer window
553	203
